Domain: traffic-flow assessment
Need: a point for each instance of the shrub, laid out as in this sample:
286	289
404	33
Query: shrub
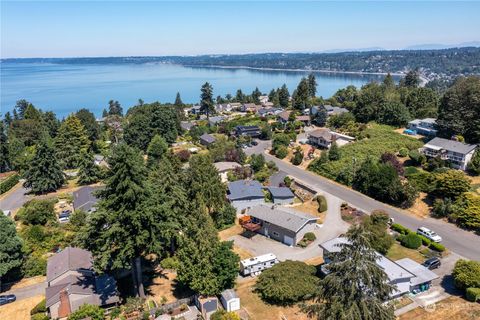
466	273
322	204
184	155
297	157
437	247
425	241
473	294
39	316
400	229
262	175
287	282
169	263
417	158
309	236
88	311
272	166
411	241
281	152
34	266
39	308
37	212
9	183
225	216
224	315
403	152
288	181
451	184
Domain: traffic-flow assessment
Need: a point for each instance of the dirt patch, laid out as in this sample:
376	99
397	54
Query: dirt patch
352	215
421	207
311	207
453	308
400	131
165	288
259	310
242	253
25	282
19	310
314	261
230	232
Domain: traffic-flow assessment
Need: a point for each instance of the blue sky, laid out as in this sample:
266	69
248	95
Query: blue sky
123	28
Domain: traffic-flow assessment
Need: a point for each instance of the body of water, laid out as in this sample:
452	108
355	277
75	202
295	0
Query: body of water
65	88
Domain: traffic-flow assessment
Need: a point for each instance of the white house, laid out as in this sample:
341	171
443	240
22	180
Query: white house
459	154
324	138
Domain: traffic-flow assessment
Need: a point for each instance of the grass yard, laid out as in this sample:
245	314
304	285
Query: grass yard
397	251
453	308
421	207
25	282
230	232
19	310
259	310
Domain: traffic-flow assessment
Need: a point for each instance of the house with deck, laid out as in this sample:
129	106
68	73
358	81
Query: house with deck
425	127
284	117
459	154
324	138
224	167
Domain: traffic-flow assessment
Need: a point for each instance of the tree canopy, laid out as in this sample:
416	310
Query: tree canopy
11	255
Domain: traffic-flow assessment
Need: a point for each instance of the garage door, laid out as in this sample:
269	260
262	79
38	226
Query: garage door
287	240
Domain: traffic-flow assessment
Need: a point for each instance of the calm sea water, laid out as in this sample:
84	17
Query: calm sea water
65	88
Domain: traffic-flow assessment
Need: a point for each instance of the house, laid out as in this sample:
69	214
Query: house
405	275
224	167
230	300
244	194
324	138
263	99
196	109
269	111
252	131
279	223
216	120
284	117
224	107
207	306
72	282
99	160
250	107
333	111
459	154
281	195
207	139
268	104
255	265
84	199
187	125
426	127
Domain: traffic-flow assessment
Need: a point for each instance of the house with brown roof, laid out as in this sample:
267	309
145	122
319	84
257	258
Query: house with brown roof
250	107
284	117
72	282
324	138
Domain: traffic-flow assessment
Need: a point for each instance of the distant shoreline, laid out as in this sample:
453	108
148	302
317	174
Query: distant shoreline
295	70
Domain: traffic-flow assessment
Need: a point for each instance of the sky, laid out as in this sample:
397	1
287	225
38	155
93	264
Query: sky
126	28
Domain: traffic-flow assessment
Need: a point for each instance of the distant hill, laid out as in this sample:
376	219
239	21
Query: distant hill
432	46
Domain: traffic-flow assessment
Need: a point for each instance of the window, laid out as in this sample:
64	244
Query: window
275	234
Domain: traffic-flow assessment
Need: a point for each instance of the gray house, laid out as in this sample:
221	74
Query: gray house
72	282
281	195
84	199
207	139
426	127
282	224
245	194
457	153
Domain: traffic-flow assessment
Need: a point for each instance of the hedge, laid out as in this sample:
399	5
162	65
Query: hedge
425	241
473	294
39	308
400	229
437	247
309	236
322	204
9	183
411	241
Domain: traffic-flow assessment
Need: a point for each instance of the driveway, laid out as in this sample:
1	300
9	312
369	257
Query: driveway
28	291
462	242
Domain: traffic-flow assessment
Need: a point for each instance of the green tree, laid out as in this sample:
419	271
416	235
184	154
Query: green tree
466	274
412	79
157	148
257	162
44	173
369	101
297	156
283	96
466	211
422	103
51	123
388	81
312	85
178	100
89	311
205	183
4	152
334	152
393	113
118	232
11	255
88	120
206	99
451	184
71	141
344	294
88	172
225	217
302	95
320	118
459	110
114	108
474	165
37	212
376	226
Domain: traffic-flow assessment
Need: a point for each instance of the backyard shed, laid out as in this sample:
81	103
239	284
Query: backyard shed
230	300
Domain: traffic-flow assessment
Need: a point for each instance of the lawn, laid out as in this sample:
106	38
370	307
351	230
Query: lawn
397	251
19	310
380	139
453	308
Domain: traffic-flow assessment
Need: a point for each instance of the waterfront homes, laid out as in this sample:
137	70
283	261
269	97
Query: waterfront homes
207	139
279	223
243	194
426	127
84	199
405	274
251	131
324	138
281	195
457	153
255	265
72	282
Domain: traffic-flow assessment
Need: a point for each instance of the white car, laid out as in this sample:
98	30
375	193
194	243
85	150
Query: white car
429	234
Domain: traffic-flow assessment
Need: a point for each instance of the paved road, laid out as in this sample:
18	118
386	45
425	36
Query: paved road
14	199
28	291
462	242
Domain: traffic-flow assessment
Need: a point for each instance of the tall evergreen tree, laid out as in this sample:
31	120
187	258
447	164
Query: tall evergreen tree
114	108
44	173
4	151
87	118
71	140
20	108
320	118
51	123
8	119
347	295
156	149
204	182
256	96
118	232
334	152
206	99
388	81
239	96
11	255
412	79
88	172
178	100
283	96
312	85
302	95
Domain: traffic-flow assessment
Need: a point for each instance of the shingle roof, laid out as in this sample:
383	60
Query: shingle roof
84	199
208	138
451	145
322	133
68	259
281	192
283	217
186	125
216	119
245	189
226	165
229	294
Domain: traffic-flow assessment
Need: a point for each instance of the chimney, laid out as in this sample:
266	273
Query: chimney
64	309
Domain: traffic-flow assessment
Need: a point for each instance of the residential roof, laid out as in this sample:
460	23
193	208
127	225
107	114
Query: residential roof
335	110
259	259
284	115
281	192
450	145
68	259
421	273
229	294
226	165
208	138
216	119
84	199
283	217
322	133
187	125
245	189
247	128
302	118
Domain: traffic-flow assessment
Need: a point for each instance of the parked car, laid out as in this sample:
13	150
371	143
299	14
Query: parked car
9	298
432	263
429	234
66	211
254	143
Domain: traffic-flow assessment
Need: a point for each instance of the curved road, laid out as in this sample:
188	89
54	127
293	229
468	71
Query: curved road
464	243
